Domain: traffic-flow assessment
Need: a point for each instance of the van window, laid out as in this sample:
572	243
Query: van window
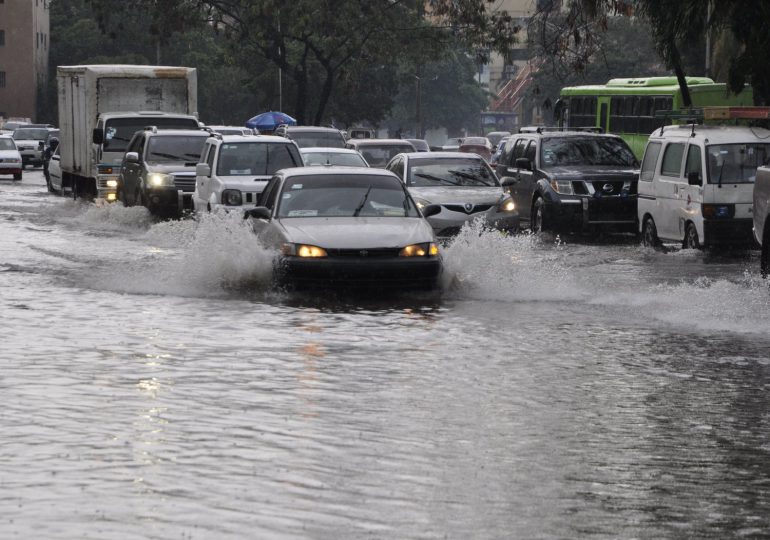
649	162
693	161
672	160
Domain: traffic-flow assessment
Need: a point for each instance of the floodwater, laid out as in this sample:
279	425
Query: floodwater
152	385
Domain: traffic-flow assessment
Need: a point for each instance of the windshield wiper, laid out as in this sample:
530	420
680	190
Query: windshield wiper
470	177
721	168
169	156
436	179
363	202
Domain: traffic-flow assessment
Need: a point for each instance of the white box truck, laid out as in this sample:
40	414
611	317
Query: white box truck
102	106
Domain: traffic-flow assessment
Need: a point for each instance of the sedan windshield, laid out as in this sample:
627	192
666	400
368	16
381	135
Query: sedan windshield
378	155
175	149
7	144
345	196
27	134
462	172
328	139
332	158
565	151
256	158
736	163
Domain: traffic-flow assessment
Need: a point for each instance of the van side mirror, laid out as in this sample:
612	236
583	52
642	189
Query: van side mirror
258	212
693	179
98	136
523	163
203	169
132	157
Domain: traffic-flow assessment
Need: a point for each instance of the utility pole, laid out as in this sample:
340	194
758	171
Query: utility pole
418	106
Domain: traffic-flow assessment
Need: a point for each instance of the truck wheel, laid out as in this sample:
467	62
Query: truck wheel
538	221
75	189
691	237
764	261
650	233
139	198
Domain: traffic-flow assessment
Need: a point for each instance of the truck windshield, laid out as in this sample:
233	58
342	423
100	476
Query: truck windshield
256	158
566	151
118	131
736	163
175	149
30	134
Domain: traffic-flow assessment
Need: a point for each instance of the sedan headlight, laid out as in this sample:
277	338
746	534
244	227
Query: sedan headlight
421	203
12	160
562	186
232	197
160	180
429	249
506	205
302	250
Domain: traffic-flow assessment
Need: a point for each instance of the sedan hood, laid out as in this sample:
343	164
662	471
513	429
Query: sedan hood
170	168
357	232
245	183
458	195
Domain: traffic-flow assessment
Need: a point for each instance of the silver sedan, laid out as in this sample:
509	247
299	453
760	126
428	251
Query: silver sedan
346	227
462	185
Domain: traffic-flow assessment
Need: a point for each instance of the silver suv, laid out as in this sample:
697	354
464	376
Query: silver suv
158	169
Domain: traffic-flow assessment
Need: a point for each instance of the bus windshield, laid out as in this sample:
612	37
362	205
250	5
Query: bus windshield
566	151
736	163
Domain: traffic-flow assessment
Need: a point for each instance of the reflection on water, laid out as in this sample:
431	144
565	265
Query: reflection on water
153	386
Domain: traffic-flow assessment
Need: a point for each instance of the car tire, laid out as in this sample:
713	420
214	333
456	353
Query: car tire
691	240
538	222
139	198
764	258
650	233
17	177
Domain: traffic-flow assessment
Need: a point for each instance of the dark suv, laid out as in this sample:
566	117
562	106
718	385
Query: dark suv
570	181
158	169
312	136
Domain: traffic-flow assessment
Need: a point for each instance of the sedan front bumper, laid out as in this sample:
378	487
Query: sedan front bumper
360	272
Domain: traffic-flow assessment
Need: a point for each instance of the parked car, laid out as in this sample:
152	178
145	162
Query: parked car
378	152
31	142
421	145
50	147
477	145
462	185
312	136
762	217
54	180
158	169
337	157
498	151
234	169
346	227
571	181
10	158
230	130
696	184
496	137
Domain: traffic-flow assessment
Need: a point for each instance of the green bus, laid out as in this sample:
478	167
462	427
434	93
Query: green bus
627	107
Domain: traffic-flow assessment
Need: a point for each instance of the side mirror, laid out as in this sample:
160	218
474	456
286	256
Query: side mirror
523	163
259	212
431	210
98	136
693	179
203	169
131	157
509	181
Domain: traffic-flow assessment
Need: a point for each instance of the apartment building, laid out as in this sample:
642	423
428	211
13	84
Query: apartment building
24	44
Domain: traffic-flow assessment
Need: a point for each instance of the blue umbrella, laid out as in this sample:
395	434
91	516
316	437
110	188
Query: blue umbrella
268	121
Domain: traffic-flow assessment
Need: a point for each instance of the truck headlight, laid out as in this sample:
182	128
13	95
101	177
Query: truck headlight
562	186
506	205
160	180
112	183
232	197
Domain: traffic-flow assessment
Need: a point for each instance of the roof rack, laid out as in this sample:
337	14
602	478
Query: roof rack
545	129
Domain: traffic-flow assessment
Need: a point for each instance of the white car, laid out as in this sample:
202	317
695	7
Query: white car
54	173
696	184
10	158
31	142
234	169
334	157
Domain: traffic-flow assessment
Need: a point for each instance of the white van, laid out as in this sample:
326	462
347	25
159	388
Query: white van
696	184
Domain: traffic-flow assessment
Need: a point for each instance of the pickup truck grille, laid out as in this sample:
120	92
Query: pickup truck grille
186	183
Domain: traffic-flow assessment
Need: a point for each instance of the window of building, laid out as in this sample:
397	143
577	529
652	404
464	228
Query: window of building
2	79
2	38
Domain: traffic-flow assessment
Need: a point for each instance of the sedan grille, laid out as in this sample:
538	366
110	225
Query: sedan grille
371	253
469	208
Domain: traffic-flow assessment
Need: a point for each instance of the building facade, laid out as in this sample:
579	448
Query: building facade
24	45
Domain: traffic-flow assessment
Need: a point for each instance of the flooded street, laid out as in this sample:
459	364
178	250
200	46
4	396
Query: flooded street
154	386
